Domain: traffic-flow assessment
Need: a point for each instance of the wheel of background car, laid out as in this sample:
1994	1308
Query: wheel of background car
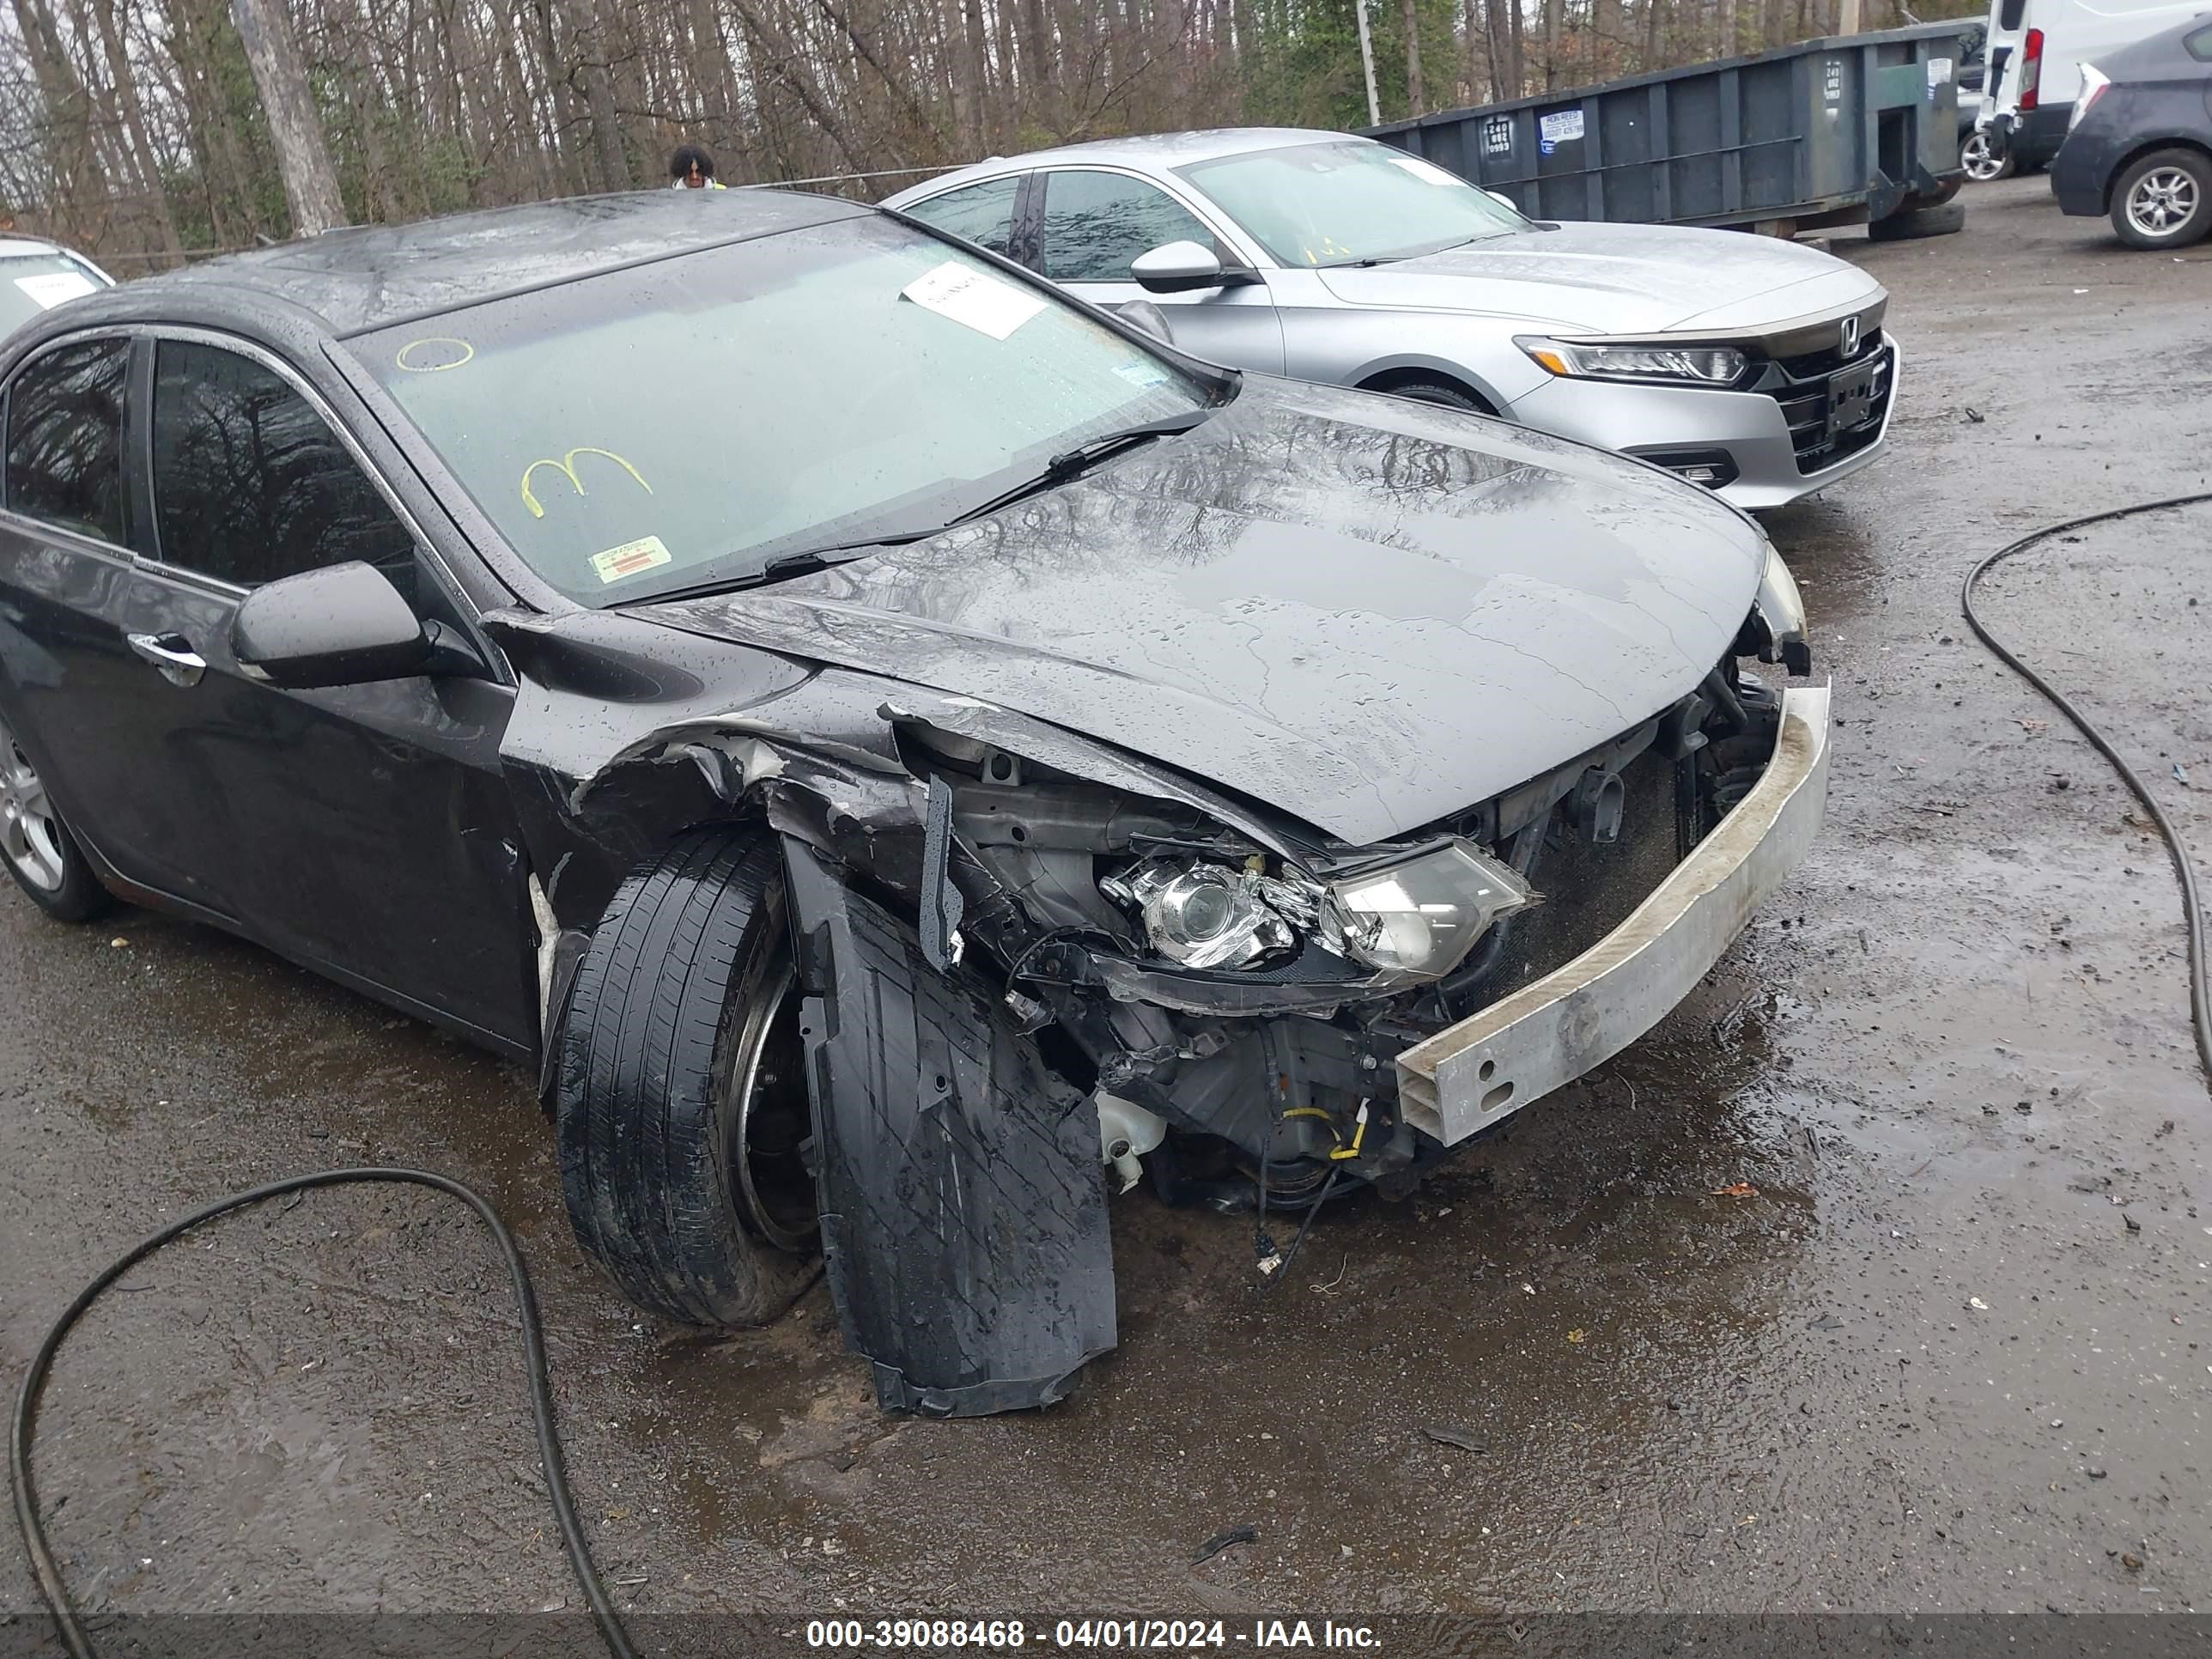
1911	224
2164	200
682	1106
37	847
1982	163
1435	391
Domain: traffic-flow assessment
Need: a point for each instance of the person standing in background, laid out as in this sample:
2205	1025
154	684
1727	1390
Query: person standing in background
691	168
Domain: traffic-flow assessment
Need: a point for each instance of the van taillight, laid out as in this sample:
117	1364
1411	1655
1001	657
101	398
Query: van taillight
2031	68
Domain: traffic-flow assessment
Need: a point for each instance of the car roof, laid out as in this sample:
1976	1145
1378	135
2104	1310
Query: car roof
368	277
1155	152
29	248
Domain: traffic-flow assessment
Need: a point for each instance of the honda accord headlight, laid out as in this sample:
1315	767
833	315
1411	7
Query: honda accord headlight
1694	364
1421	915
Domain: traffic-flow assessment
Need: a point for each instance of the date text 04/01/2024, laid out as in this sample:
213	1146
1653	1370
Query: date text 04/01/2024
1104	1634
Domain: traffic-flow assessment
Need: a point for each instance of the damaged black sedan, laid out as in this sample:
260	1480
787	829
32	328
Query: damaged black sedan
903	753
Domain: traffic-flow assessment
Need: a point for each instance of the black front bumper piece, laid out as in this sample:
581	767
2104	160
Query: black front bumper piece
963	1218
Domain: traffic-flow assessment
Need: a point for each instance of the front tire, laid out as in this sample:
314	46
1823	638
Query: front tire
1439	392
37	847
682	1108
2164	200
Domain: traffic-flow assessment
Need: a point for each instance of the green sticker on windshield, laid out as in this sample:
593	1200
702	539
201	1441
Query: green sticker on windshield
631	558
1141	371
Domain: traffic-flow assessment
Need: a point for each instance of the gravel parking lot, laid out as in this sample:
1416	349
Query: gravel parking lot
1953	1349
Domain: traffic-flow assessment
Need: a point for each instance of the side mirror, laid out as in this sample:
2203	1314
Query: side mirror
1144	314
1183	268
1503	200
344	624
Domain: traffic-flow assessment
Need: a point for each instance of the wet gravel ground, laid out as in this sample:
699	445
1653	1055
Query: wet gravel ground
1954	1353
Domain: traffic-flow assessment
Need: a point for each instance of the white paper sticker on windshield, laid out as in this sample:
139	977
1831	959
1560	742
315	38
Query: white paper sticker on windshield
631	559
973	298
54	287
1427	171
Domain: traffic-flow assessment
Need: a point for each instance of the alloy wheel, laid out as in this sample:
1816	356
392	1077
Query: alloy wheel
2162	202
1981	161
771	1120
30	834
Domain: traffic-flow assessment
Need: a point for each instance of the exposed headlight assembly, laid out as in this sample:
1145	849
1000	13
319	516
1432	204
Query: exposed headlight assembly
1200	914
1421	915
1694	365
1780	612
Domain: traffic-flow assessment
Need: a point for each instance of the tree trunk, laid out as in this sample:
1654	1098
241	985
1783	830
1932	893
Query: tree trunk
311	184
1608	50
1417	97
600	97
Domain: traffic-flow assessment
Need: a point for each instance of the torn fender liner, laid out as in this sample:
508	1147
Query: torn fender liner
963	1216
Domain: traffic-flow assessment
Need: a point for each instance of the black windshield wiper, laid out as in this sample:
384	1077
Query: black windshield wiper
1373	259
785	566
1071	464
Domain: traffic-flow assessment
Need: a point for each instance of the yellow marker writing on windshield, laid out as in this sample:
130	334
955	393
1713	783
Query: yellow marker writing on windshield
566	467
409	355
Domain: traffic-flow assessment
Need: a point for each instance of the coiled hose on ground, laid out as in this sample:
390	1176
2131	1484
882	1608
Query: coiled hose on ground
2192	910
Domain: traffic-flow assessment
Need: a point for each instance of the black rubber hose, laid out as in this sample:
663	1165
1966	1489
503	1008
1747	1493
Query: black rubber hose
2192	912
534	1349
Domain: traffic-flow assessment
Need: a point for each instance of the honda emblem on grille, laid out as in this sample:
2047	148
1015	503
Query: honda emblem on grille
1850	338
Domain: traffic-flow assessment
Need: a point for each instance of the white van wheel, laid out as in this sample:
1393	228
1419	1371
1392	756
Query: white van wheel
1983	162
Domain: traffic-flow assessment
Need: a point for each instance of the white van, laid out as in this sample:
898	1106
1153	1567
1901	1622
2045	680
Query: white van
2035	52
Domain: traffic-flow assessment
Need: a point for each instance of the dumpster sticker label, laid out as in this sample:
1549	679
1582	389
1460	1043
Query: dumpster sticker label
1939	71
1497	135
1833	88
1553	131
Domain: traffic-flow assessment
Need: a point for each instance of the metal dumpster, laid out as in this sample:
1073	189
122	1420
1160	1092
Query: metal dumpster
1845	130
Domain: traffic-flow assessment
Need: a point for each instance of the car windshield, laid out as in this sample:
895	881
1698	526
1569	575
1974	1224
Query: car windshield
37	282
1349	201
684	422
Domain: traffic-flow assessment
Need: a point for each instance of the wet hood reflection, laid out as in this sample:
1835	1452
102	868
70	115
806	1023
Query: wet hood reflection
1363	611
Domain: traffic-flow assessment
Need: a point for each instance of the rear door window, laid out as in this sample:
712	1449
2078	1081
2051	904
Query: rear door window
250	483
982	214
2199	45
65	412
1097	224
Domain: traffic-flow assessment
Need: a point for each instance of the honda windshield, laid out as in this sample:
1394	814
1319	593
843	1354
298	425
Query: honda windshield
1350	202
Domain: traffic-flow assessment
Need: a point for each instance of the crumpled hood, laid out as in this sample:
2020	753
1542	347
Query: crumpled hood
1365	612
1618	279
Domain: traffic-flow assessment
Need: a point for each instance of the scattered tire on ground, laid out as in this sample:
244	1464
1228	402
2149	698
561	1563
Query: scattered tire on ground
1911	224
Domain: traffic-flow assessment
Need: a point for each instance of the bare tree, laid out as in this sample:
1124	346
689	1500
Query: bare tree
152	130
311	184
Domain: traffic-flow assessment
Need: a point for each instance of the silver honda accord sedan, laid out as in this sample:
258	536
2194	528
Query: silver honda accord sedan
1756	368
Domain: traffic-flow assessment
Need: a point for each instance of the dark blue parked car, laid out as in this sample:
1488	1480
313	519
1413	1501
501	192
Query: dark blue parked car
2140	148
